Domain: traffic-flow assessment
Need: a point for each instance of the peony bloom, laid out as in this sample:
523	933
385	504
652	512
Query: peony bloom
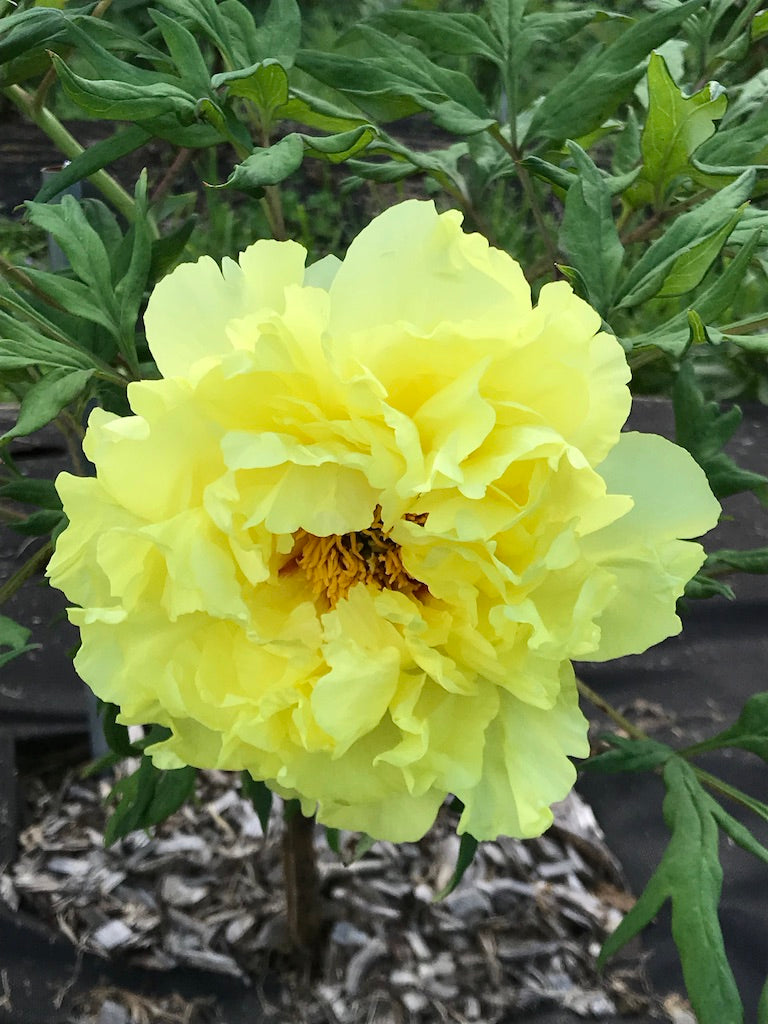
352	539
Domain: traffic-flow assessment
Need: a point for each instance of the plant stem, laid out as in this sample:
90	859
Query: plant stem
11	515
530	193
273	210
643	357
465	202
746	326
610	710
71	148
720	786
302	883
180	161
29	568
647	228
73	434
8	270
272	203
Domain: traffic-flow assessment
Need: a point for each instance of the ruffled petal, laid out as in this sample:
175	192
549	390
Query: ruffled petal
188	312
353	539
650	566
382	279
526	766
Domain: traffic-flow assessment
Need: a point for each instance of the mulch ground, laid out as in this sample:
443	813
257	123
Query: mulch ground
204	890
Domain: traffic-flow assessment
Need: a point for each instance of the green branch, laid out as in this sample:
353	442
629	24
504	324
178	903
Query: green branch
71	148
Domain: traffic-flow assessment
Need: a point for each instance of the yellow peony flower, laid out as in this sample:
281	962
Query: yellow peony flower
353	538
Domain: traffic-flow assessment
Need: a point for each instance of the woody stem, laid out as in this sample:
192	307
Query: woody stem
302	882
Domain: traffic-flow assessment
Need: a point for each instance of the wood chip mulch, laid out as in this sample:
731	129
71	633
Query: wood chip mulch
521	933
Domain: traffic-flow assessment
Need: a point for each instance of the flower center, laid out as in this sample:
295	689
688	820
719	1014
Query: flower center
334	564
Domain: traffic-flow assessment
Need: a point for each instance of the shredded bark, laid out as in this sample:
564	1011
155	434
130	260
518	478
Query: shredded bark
205	889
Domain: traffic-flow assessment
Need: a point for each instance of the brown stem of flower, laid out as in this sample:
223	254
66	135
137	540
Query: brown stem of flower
17	276
73	434
180	161
610	710
642	231
302	882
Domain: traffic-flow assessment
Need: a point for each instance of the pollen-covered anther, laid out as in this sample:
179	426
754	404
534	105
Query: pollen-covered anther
334	564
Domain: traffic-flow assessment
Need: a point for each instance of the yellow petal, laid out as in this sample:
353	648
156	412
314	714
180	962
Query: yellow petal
189	310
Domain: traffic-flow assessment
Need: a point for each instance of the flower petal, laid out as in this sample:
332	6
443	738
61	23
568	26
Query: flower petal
189	310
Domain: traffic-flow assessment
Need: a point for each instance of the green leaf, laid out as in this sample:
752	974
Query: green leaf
702	586
602	80
14	637
461	98
588	233
146	798
22	32
704	224
738	832
759	26
129	291
675	128
698	329
557	176
550	27
46	398
83	247
332	837
741	141
15	354
626	153
260	796
506	19
279	34
340	147
264	84
39	524
267	166
690	876
749	731
362	846
384	172
94	158
123	100
116	734
575	279
396	80
629	755
76	296
673	335
461	34
185	54
207	16
167	249
33	491
21	345
315	112
467	849
693	263
754	560
703	430
24	313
